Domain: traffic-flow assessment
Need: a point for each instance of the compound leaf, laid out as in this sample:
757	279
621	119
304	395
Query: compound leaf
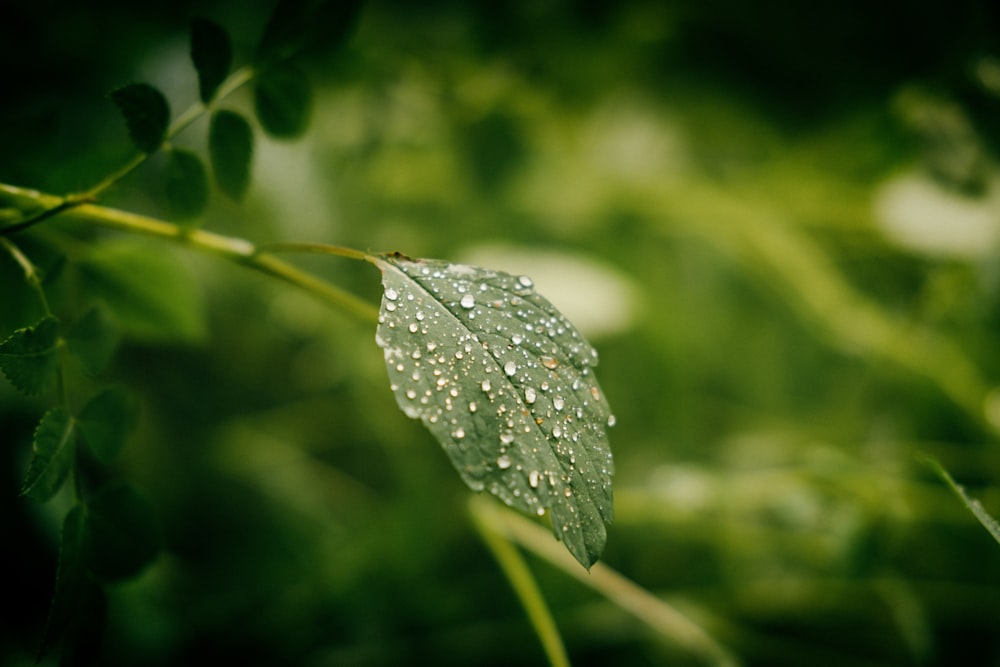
505	383
230	146
186	185
106	421
122	531
212	55
283	99
53	455
92	339
146	114
29	358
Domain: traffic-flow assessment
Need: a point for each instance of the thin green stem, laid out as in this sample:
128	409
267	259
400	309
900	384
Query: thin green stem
521	580
66	204
232	83
231	248
31	273
318	248
34	279
976	507
59	205
660	616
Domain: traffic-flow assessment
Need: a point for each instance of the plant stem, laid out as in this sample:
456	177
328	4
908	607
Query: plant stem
234	249
34	279
521	580
318	248
232	83
660	616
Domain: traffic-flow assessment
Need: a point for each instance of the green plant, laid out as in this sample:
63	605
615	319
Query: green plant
777	340
491	368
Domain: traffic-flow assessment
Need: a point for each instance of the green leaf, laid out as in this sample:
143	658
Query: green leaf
106	422
150	291
74	588
284	31
53	455
186	185
988	522
505	383
230	146
123	534
212	55
29	358
283	99
146	114
92	339
299	26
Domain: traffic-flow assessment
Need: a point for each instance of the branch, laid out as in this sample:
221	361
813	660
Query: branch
231	248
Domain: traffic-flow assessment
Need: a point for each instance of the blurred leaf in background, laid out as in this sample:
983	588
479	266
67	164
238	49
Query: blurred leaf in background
784	222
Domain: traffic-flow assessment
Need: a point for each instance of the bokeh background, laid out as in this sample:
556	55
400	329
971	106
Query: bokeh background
778	222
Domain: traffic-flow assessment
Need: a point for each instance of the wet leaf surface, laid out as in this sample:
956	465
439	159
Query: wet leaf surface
505	383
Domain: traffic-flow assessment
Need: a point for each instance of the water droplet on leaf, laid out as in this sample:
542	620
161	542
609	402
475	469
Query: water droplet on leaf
510	348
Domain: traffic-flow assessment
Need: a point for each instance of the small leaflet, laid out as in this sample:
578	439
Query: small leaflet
212	55
230	147
146	114
505	383
53	455
186	185
106	422
29	357
283	101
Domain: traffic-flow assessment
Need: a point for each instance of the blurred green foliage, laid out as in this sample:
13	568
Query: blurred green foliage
792	210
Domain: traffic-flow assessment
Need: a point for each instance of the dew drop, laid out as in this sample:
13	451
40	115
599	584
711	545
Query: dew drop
540	511
458	433
486	385
472	406
517	339
533	478
510	368
503	462
413	327
529	395
468	301
507	437
567	492
391	294
525	281
390	306
611	420
411	394
550	362
558	403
